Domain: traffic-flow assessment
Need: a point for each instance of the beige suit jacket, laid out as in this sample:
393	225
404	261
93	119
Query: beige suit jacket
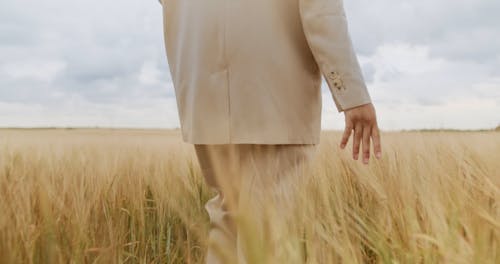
249	71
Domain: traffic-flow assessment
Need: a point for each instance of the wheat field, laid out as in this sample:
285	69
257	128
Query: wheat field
137	196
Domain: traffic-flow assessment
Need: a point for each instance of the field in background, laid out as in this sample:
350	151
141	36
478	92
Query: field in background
137	196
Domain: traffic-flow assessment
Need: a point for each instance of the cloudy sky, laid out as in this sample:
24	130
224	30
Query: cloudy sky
427	63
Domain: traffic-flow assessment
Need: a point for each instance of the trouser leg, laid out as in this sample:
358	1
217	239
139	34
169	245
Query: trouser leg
249	179
219	165
271	176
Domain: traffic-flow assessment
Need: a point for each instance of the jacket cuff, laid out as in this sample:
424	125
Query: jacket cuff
348	90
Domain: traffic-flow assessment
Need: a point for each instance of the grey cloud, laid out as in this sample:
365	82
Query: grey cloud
114	57
462	29
368	72
104	48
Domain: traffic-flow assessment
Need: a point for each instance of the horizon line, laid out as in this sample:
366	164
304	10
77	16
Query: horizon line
178	128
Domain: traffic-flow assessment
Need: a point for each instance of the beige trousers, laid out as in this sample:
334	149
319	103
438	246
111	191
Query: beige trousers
254	186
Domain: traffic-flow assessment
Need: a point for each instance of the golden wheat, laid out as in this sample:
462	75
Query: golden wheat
137	196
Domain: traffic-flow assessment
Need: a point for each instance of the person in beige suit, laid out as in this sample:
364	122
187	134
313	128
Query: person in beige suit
247	77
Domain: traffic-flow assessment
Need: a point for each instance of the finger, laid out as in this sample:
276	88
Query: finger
358	132
366	143
346	135
377	147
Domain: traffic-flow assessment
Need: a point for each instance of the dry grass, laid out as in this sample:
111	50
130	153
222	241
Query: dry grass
124	196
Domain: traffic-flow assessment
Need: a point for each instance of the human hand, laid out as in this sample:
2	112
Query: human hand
362	119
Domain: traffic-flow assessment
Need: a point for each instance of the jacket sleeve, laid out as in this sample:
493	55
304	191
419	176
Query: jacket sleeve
325	26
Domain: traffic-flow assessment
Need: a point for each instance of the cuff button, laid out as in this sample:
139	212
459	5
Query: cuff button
336	80
334	75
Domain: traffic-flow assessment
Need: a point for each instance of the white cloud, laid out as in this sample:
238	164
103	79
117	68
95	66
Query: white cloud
461	113
98	63
76	111
413	89
149	74
404	59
